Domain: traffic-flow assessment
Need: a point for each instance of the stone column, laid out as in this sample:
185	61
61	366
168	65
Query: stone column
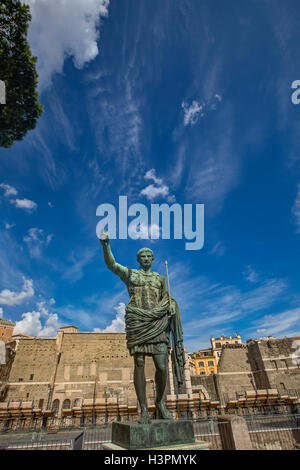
234	433
187	375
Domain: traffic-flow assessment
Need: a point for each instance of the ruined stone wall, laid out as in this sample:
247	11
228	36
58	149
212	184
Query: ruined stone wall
30	372
275	364
205	385
234	371
78	366
97	364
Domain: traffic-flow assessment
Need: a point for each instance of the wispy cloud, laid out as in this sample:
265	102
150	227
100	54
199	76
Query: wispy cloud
214	165
218	249
286	323
77	263
37	241
250	274
9	226
8	190
192	112
296	210
221	307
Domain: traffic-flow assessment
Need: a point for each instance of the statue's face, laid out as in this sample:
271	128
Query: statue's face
145	259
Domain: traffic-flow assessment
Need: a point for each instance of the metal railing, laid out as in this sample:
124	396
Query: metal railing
95	437
207	430
280	432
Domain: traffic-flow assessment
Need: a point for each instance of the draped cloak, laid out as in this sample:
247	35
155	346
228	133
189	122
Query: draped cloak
147	321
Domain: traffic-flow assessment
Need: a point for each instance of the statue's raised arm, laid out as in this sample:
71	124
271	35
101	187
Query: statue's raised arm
109	259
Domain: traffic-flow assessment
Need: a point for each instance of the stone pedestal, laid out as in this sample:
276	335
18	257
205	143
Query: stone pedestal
159	433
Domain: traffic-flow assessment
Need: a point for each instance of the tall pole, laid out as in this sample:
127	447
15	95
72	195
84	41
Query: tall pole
168	281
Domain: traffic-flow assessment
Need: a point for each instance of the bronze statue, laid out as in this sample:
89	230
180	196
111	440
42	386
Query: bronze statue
151	316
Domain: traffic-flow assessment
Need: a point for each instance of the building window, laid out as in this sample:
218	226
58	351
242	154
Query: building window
210	363
31	376
218	345
41	403
77	402
20	380
201	364
27	395
55	407
66	404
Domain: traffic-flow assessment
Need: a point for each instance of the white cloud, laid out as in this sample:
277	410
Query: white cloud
39	323
151	175
10	298
8	190
64	28
24	204
159	189
118	323
36	241
296	210
192	112
144	232
151	192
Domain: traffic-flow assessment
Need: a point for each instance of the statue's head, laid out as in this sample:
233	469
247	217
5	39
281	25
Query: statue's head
145	257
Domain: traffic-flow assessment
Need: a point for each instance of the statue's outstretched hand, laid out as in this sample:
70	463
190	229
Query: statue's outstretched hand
104	238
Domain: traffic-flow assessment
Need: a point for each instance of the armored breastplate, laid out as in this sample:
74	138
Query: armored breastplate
145	290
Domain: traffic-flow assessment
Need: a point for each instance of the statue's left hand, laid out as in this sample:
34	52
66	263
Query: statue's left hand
171	310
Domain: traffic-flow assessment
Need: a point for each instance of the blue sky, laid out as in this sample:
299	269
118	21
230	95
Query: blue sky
199	92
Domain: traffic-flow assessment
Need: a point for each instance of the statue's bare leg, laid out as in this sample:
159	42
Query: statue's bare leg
161	364
140	386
